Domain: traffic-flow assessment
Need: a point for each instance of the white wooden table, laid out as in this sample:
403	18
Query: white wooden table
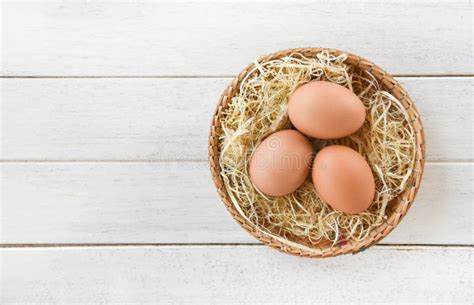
106	197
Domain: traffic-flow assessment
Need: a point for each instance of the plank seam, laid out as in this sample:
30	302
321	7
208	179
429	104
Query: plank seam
88	245
395	247
197	76
183	161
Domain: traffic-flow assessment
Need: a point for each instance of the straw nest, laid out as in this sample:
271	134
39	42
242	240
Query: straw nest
386	139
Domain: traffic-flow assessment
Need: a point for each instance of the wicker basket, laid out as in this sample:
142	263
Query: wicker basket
396	209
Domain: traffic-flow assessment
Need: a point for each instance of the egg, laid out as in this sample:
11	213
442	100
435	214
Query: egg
281	163
343	179
325	110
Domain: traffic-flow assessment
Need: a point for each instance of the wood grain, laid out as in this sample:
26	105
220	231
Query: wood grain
143	80
210	38
173	202
234	275
163	119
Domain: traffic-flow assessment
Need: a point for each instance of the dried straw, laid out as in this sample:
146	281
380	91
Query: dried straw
386	139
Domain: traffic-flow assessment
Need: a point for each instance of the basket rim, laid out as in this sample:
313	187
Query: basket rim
402	202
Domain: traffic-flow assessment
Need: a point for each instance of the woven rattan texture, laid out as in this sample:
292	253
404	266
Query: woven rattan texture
398	207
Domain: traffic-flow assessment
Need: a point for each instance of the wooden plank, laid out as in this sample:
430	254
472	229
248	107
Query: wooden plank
209	38
162	119
233	275
128	202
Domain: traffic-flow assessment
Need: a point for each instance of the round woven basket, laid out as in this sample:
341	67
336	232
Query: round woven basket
397	208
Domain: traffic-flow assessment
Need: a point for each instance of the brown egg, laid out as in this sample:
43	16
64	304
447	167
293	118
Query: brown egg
325	110
281	163
343	179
